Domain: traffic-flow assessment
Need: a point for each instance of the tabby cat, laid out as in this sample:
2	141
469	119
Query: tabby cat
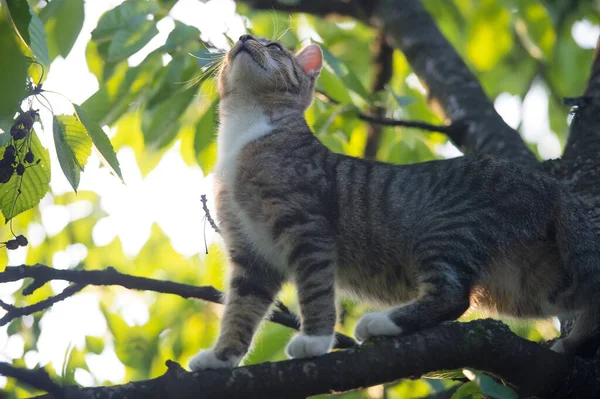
429	239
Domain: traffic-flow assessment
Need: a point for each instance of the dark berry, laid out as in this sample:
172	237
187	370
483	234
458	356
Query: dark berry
21	240
29	157
20	169
20	134
6	171
12	244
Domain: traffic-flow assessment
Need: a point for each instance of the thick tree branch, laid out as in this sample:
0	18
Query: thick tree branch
584	137
383	68
347	8
109	276
451	85
483	344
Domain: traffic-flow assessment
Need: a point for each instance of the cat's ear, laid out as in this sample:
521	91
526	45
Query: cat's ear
310	59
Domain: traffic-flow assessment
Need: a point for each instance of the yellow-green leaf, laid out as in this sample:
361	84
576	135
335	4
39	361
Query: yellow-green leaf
100	140
24	192
73	146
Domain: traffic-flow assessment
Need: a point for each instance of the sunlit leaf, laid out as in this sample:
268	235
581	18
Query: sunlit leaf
489	35
535	29
180	36
94	344
206	128
346	74
129	40
127	14
63	20
24	192
13	74
73	146
100	140
161	125
331	85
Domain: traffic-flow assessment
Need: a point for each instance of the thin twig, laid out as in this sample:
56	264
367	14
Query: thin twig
38	379
208	217
110	276
380	120
12	312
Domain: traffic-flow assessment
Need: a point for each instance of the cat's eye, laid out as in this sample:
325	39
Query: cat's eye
275	46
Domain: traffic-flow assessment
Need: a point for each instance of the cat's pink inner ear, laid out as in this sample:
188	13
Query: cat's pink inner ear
310	59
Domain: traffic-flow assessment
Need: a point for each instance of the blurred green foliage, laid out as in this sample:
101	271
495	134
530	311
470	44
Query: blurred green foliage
170	97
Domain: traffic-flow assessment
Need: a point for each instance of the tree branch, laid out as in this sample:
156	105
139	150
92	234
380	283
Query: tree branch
109	276
451	85
383	66
38	379
451	131
315	7
483	344
584	137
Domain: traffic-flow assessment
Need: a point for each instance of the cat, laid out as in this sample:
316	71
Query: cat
427	240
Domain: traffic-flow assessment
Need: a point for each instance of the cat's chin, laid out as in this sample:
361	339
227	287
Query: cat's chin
207	360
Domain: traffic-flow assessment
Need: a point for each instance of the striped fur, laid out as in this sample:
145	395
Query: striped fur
427	240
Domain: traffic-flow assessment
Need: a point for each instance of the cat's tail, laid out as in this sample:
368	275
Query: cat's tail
579	250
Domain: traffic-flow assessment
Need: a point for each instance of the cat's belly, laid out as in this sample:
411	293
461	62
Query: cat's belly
522	283
375	286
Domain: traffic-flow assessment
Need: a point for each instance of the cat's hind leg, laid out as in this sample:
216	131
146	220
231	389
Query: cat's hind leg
586	325
250	294
443	296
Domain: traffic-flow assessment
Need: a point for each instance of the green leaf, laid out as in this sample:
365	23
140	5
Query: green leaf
21	193
38	40
534	28
127	14
130	39
30	29
117	94
402	101
94	344
206	129
100	140
13	74
346	74
160	125
73	146
333	87
490	387
470	390
490	37
21	16
180	36
63	20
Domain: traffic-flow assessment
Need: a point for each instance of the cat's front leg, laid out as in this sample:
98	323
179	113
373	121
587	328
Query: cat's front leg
252	290
443	296
314	276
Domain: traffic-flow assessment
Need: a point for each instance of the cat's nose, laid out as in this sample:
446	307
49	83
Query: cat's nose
245	38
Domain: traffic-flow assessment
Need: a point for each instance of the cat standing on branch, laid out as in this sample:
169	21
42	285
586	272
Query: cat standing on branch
427	240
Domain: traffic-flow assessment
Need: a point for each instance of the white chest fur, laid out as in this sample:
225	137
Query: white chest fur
235	132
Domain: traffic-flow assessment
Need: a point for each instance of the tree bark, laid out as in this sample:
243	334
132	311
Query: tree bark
483	344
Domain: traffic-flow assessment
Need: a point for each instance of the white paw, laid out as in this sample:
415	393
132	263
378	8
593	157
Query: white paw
559	346
374	325
208	360
302	346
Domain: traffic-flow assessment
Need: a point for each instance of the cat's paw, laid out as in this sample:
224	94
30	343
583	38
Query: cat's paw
206	360
559	346
303	346
374	325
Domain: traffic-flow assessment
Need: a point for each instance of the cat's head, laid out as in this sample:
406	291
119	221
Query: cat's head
262	71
